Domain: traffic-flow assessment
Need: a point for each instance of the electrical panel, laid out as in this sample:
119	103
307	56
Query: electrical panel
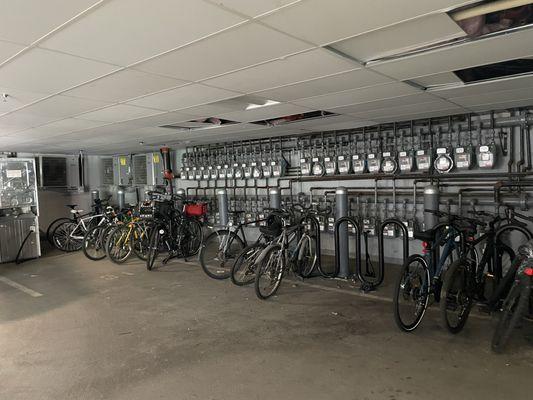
108	174
121	170
13	231
17	183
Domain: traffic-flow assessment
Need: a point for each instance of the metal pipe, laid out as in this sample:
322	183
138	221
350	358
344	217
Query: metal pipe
341	205
521	162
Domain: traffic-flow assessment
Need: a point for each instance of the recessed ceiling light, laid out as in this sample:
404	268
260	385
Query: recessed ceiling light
266	103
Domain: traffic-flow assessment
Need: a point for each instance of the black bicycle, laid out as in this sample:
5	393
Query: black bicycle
171	232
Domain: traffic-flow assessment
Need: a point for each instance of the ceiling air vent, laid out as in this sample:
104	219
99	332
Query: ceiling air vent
496	70
294	118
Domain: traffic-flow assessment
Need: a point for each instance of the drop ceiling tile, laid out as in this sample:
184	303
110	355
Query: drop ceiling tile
444	78
253	8
124	85
118	113
401	37
420	115
516	82
234	49
59	128
17	99
257	114
8	50
144	29
452	58
356	96
183	97
323	22
25	21
63	106
408	109
335	83
417	98
497	105
293	69
46	71
494	97
20	120
156	120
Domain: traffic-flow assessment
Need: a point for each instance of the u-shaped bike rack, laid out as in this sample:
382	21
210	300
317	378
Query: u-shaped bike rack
337	226
405	238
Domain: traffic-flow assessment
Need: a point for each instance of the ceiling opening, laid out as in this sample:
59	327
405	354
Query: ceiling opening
294	118
200	124
496	70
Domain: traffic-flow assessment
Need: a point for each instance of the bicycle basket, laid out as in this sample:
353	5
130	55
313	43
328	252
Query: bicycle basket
195	210
273	226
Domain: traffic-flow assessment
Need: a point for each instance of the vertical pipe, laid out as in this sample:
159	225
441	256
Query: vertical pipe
341	203
223	213
274	195
431	202
121	199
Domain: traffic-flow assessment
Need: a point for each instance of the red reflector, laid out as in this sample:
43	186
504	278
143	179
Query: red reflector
528	271
425	245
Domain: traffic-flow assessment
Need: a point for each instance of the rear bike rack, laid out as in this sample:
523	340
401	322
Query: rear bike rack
405	239
357	228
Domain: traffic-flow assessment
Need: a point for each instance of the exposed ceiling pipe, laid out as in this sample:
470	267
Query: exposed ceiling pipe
488	8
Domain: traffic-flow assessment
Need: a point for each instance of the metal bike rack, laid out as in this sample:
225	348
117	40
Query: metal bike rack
338	254
405	239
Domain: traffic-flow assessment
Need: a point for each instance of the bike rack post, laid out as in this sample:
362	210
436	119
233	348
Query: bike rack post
223	213
338	254
381	250
274	197
341	203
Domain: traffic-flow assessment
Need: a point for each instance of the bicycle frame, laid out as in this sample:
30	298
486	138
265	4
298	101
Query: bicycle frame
81	223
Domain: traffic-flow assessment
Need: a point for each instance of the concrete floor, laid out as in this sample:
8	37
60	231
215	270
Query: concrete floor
102	331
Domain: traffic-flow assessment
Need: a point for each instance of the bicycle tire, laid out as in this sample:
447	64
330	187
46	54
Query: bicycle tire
119	248
194	237
52	226
140	241
455	288
221	269
306	262
268	265
243	269
62	237
514	308
420	294
153	250
95	237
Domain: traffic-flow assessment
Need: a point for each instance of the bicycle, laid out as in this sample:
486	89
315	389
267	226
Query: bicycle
421	275
465	281
127	238
278	258
95	238
171	231
220	248
68	235
519	301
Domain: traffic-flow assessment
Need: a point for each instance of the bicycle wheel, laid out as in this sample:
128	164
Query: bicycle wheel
269	272
51	228
243	270
192	237
153	250
68	237
307	257
118	245
457	300
140	241
411	295
514	307
218	252
94	243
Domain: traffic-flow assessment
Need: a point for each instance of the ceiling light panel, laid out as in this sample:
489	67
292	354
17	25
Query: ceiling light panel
234	49
118	113
451	58
401	37
46	71
355	96
335	83
324	22
184	97
254	8
297	68
127	31
124	85
26	21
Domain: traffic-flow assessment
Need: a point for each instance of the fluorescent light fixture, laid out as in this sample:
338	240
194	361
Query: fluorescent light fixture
253	106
